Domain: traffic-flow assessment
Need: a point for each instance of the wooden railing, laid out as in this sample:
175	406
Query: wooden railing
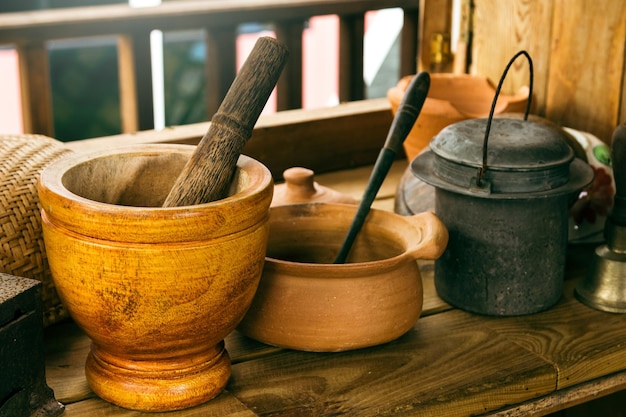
348	135
29	32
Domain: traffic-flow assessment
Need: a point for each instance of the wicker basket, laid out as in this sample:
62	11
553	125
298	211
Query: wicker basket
22	252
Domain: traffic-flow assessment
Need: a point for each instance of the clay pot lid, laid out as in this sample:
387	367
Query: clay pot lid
300	187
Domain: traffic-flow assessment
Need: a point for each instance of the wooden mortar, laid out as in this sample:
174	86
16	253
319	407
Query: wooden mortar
156	289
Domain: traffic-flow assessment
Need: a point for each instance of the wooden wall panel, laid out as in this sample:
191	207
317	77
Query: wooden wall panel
578	50
587	66
501	29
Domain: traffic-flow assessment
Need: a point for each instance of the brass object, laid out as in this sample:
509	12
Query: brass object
440	54
604	288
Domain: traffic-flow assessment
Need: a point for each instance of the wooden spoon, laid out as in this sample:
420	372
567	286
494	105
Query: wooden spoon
208	174
407	113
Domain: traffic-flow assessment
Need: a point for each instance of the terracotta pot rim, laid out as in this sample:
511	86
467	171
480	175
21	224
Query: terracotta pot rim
409	241
340	271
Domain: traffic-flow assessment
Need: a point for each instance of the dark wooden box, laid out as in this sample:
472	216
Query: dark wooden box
23	388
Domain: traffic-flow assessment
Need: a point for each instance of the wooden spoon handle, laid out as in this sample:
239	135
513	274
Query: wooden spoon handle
207	175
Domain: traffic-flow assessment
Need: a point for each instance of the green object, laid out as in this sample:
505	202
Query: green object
602	154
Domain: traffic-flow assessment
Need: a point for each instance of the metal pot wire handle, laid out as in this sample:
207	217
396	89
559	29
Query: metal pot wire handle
483	168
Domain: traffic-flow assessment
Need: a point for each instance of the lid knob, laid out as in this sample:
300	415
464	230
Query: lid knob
300	187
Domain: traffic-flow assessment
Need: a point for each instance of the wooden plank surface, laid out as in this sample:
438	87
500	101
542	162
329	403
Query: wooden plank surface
66	350
580	400
446	365
583	343
224	405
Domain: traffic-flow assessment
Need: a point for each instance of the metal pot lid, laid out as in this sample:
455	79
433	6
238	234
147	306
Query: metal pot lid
524	159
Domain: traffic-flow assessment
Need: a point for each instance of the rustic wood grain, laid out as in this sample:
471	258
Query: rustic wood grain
583	343
578	53
587	65
433	304
327	139
224	405
66	350
501	29
180	15
580	400
446	365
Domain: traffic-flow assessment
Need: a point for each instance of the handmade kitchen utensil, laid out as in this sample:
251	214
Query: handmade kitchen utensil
401	125
306	302
208	174
604	288
502	188
155	288
300	187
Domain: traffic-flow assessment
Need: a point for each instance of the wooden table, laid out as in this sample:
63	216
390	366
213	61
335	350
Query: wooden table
452	363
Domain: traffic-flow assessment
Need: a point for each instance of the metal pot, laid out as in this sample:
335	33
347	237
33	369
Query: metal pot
505	204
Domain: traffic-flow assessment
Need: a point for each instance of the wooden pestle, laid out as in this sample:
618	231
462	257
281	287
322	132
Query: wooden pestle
207	175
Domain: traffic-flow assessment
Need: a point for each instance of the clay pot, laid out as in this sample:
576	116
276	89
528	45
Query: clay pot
300	187
452	98
306	302
156	289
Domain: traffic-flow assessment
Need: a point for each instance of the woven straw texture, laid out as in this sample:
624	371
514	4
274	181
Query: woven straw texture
22	251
